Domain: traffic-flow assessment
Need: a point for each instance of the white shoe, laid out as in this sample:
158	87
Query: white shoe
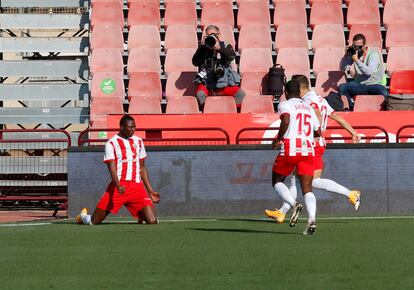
310	228
295	214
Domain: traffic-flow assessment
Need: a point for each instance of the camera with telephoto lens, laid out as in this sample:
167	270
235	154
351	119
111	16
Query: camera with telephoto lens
210	41
201	76
351	50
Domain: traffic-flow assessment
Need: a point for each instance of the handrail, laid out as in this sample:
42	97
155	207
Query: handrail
226	137
398	136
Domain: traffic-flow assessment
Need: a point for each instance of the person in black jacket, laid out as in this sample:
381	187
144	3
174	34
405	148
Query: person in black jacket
216	77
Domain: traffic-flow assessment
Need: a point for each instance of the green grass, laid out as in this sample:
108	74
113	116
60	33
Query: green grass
210	254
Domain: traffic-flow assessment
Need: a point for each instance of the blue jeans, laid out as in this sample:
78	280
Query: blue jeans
353	88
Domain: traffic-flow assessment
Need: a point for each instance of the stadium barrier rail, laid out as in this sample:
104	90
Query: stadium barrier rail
407	138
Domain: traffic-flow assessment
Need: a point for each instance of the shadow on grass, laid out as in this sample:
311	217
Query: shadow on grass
325	221
246	231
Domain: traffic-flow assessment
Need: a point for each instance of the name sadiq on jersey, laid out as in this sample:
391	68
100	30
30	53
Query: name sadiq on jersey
302	107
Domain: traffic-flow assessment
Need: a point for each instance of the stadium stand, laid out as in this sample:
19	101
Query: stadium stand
328	81
255	36
368	103
372	33
223	104
295	60
144	60
104	84
144	84
400	58
398	12
182	105
107	14
179	60
289	12
180	36
253	13
326	12
106	60
257	104
180	84
144	105
291	35
105	36
363	12
327	59
402	82
217	13
144	36
144	13
226	34
399	35
255	60
180	13
328	35
254	83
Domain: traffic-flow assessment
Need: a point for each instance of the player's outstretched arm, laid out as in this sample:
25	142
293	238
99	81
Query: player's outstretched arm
155	196
114	176
341	121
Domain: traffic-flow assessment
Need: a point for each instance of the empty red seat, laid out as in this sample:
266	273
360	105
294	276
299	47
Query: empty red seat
289	12
255	60
294	60
327	59
144	13
107	14
120	2
106	60
291	35
107	84
371	32
101	107
144	60
254	83
402	82
179	59
328	81
182	105
368	103
144	84
217	13
328	35
255	36
202	2
326	12
146	1
400	58
277	1
144	105
257	104
398	12
226	34
313	1
180	36
104	36
253	13
180	13
223	104
363	12
144	36
180	84
399	35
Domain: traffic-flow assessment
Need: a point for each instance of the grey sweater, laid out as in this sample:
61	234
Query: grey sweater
371	71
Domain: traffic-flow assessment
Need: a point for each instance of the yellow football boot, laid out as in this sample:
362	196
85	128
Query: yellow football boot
355	198
78	218
276	214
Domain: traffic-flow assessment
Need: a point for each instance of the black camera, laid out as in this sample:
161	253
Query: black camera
351	50
210	41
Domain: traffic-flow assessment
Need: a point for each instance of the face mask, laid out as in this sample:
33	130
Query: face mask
360	53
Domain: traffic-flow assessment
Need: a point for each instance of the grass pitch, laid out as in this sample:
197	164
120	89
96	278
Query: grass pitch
239	253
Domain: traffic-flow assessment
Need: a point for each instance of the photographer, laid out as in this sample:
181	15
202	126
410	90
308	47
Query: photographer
366	68
216	77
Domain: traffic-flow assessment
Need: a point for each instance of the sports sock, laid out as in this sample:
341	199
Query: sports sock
293	192
86	219
330	185
310	202
284	193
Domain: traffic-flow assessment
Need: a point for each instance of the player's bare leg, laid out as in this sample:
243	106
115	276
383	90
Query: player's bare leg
332	186
149	215
310	202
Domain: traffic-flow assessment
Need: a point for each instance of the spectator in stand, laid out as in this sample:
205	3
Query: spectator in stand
216	76
365	66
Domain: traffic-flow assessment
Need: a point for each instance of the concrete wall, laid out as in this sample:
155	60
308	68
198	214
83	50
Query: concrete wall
232	182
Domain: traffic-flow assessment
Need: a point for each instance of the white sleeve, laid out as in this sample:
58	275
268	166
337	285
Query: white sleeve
283	108
315	121
109	152
142	153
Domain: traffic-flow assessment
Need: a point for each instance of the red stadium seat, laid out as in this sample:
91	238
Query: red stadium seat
255	36
326	13
106	60
182	105
368	103
398	12
107	14
313	1
363	12
217	13
257	104
328	35
371	32
223	104
255	60
180	13
142	13
400	35
145	1
328	59
107	84
226	34
253	13
277	1
180	36
144	105
328	81
400	58
294	60
290	12
144	60
144	36
120	2
254	83
180	84
402	82
104	36
179	59
291	35
101	107
144	84
202	2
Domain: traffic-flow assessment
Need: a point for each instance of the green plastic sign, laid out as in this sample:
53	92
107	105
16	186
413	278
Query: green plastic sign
108	86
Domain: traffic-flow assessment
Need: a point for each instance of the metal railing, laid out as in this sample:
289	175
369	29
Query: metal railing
400	137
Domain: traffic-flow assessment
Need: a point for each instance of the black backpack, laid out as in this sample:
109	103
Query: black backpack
276	80
335	101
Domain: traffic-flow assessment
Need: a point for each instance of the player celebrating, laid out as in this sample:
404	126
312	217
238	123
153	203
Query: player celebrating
125	157
298	123
323	110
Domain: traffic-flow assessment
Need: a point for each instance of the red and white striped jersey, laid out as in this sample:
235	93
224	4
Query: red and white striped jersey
126	153
298	139
320	104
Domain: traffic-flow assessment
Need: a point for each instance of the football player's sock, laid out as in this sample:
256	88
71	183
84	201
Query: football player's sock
284	193
293	192
330	185
86	219
285	208
310	202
